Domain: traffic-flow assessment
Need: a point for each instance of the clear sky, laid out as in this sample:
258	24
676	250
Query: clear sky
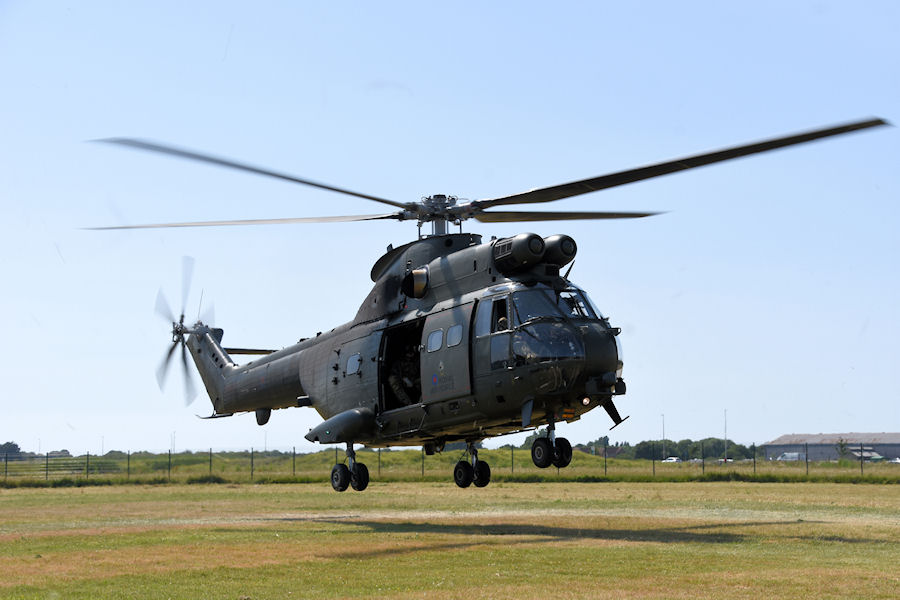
769	289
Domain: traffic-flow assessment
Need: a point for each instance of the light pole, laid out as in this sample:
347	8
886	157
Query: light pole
726	436
664	456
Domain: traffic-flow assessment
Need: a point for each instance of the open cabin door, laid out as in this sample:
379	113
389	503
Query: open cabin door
445	354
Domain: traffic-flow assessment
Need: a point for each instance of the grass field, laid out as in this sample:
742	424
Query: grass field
433	540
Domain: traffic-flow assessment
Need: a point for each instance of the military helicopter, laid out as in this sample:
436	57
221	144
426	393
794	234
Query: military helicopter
459	339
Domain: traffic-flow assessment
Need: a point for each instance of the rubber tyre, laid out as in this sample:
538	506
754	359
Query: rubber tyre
482	474
463	474
340	477
562	453
359	477
542	453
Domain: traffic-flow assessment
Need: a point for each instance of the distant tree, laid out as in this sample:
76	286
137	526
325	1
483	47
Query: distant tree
10	449
526	445
843	449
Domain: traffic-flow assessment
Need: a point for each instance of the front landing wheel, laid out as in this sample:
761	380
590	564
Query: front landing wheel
359	477
340	477
542	453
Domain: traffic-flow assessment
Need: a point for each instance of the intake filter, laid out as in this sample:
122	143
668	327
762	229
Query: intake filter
518	253
560	250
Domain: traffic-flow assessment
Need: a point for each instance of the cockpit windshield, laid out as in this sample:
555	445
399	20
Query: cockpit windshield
545	303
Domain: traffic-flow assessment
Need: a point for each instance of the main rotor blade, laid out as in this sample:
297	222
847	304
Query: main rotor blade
523	216
231	164
349	218
585	186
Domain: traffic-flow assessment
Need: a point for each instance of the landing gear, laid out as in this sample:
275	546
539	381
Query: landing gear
466	473
551	450
356	475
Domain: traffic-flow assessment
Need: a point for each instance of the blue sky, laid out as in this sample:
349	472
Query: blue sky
768	289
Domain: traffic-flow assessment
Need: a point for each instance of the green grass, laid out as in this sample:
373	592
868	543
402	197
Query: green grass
416	540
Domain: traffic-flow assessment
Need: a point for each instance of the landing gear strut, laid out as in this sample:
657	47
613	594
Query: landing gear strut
477	471
354	474
551	450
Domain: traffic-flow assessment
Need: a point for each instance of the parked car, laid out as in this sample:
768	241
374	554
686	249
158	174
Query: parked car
672	459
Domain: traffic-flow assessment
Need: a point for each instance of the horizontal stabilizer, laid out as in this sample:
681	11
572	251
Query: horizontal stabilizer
247	351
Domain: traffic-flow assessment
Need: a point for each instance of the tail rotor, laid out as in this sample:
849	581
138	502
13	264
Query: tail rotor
179	330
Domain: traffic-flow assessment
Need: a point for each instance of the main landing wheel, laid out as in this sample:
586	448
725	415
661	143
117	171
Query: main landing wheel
463	474
562	453
340	477
542	453
359	477
482	474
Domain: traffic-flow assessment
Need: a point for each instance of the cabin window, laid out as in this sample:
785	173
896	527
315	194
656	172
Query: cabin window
454	336
435	339
353	364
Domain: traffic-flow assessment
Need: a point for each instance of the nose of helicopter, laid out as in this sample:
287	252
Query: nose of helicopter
601	354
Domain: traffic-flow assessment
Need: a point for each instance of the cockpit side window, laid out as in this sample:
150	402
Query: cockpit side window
500	317
483	318
574	305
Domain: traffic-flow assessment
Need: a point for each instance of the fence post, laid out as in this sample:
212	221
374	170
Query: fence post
169	475
860	458
653	457
702	460
5	465
423	461
754	459
87	465
294	461
128	465
806	457
210	462
604	459
47	466
379	462
251	464
512	459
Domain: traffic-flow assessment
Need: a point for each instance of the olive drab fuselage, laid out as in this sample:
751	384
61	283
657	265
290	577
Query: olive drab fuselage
458	340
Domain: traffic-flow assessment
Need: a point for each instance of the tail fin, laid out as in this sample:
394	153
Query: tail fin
213	363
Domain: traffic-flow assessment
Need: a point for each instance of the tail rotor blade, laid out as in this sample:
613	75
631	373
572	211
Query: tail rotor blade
187	274
209	315
163	368
189	390
162	307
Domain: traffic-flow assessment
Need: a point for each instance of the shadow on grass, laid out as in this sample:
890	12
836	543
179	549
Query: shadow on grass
519	533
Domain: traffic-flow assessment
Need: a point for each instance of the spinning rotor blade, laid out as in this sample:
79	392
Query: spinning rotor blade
162	307
585	186
258	222
523	216
231	164
189	391
163	369
187	275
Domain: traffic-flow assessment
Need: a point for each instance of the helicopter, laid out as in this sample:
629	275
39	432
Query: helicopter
459	340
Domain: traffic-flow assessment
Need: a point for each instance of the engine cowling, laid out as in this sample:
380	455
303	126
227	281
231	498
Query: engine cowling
519	253
560	250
